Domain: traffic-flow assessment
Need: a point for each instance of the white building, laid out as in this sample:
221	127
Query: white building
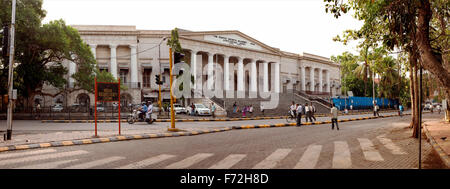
242	63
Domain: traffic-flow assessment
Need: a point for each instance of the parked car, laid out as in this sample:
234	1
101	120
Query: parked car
427	106
57	108
200	109
179	109
100	108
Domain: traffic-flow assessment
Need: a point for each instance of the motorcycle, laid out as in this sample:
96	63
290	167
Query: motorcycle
137	116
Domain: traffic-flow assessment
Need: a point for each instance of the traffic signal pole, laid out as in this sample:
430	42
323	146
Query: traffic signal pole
172	112
10	74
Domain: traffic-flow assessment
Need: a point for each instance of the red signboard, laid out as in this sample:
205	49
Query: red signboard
106	92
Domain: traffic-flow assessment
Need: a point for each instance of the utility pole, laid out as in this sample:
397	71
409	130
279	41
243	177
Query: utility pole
10	72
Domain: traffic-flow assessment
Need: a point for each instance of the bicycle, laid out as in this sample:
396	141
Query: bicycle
290	118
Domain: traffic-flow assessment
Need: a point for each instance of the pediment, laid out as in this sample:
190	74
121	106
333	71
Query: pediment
232	38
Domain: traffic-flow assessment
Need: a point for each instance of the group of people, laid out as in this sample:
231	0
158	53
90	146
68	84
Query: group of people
146	109
245	109
297	110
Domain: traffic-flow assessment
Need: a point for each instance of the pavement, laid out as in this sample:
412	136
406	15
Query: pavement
34	134
438	133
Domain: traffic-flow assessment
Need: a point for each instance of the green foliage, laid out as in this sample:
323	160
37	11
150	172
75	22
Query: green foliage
43	51
173	42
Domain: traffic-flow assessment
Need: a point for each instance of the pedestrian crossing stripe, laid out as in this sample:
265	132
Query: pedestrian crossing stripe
309	158
228	161
185	163
273	159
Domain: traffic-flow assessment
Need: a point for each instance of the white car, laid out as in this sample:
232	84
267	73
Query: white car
57	108
200	109
179	109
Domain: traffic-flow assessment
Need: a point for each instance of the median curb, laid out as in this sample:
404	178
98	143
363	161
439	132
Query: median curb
193	120
161	135
442	155
107	139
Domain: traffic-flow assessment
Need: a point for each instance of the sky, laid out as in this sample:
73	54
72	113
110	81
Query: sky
294	26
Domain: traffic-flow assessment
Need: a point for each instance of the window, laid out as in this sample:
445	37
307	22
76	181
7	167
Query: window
123	75
146	77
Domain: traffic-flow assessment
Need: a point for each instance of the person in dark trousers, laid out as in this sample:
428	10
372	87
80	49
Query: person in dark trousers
307	113
312	110
299	114
334	117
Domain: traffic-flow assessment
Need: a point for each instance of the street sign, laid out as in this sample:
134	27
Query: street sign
107	92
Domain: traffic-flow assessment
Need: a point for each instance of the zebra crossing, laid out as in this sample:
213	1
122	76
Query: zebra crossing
341	158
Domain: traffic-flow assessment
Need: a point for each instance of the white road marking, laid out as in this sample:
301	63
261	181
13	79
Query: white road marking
147	162
390	145
189	161
272	160
25	153
369	151
309	158
95	163
43	157
228	162
341	157
51	165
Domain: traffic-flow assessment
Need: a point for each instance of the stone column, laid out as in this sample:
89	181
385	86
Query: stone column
113	65
253	76
194	67
210	70
134	66
93	49
240	74
226	73
311	76
320	80
266	76
303	79
277	77
328	81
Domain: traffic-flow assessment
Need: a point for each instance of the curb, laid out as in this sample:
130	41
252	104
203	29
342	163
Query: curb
107	139
444	157
161	135
191	120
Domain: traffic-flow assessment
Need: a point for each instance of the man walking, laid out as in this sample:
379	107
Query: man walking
213	109
308	113
376	110
312	110
293	109
334	117
299	114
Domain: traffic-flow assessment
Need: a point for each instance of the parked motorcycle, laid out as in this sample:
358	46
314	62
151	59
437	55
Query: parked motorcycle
136	116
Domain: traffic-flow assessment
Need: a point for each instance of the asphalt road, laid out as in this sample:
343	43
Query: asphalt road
368	144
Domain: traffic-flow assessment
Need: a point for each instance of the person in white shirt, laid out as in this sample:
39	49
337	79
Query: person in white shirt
334	117
149	110
293	109
299	114
307	112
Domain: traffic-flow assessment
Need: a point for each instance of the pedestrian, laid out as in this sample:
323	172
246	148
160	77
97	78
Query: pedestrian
308	112
262	109
234	107
192	109
313	111
293	109
244	110
400	110
377	108
299	114
213	109
250	110
438	107
38	110
334	117
431	108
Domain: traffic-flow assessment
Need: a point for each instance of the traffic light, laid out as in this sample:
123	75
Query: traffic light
178	57
5	34
158	81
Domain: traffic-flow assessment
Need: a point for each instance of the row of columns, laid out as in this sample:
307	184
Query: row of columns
240	73
312	81
113	64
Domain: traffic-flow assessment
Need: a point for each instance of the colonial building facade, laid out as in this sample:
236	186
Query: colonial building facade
229	60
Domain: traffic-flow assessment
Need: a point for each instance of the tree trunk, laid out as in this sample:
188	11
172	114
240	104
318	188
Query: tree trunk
431	62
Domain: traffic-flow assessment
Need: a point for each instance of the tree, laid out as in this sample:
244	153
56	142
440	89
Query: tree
405	25
41	50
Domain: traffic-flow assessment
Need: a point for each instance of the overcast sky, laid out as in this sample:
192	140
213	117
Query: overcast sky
291	25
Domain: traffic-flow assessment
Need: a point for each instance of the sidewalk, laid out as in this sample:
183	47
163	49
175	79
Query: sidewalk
438	133
33	134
